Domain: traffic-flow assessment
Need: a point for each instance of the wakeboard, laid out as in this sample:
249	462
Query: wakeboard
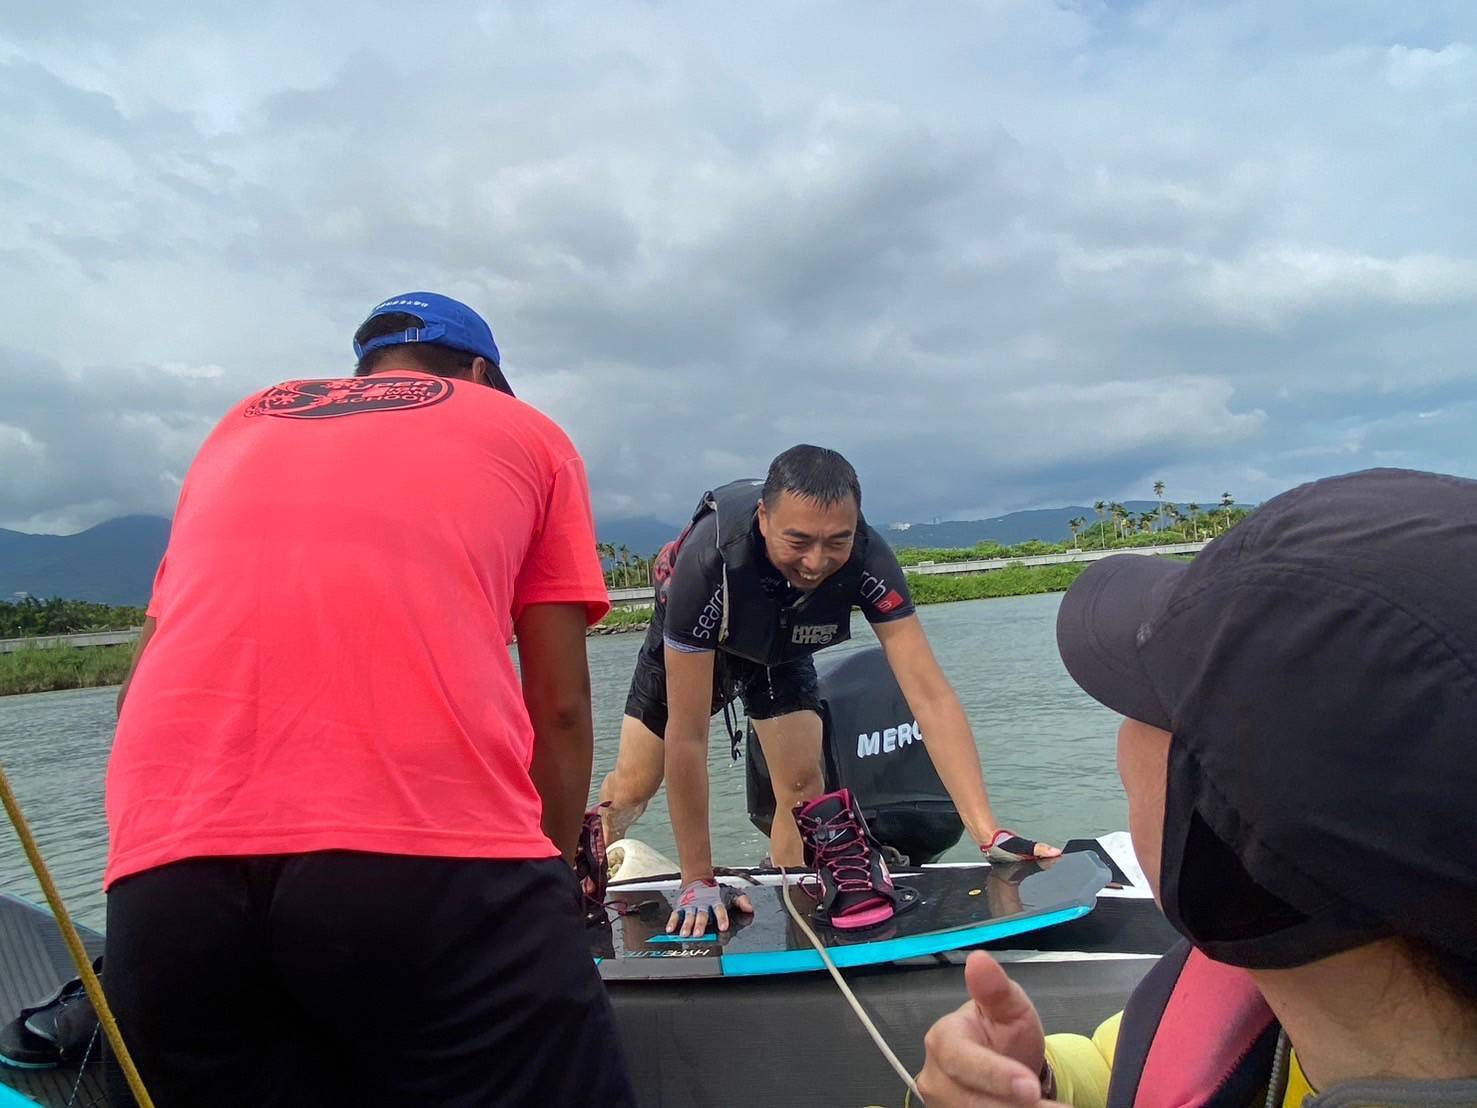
956	907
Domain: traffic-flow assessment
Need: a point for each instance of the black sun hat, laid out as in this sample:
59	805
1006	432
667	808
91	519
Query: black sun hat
1317	667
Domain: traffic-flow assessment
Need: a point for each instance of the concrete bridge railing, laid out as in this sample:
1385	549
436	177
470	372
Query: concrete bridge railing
86	638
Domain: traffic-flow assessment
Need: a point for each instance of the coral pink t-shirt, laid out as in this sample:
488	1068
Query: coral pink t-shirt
330	669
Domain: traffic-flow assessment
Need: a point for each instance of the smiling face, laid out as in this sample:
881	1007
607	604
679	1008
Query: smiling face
806	540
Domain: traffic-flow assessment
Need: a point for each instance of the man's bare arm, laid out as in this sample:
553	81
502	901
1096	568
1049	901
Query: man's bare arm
946	732
145	634
556	690
689	700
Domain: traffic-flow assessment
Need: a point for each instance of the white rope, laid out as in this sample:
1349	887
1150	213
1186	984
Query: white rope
856	1006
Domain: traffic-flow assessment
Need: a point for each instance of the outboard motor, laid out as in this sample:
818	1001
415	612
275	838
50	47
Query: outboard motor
872	746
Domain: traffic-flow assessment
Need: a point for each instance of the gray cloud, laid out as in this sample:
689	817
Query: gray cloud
1007	256
83	446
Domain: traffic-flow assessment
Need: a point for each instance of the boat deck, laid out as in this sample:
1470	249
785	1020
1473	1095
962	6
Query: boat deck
725	1041
33	962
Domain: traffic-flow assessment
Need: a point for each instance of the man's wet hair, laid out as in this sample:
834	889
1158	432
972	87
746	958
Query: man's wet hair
443	361
812	472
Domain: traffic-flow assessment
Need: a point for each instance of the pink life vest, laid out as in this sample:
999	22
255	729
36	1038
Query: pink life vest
1195	1034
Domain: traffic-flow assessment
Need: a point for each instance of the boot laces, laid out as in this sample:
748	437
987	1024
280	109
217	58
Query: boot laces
845	853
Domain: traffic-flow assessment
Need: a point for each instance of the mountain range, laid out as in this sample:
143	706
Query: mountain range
114	562
1046	524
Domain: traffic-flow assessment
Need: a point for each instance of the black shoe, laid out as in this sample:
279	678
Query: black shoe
24	1050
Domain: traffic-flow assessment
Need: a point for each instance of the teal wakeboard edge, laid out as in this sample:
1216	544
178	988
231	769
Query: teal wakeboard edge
891	950
957	907
9	1098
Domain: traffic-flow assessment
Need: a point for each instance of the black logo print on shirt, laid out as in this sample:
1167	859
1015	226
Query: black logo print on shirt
349	396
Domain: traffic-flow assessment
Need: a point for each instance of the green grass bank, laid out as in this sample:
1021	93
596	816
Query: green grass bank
47	669
926	589
52	668
997	583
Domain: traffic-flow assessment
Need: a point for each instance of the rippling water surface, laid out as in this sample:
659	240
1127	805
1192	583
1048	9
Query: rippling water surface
1047	750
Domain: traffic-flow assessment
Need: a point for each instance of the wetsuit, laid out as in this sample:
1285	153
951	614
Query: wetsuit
717	590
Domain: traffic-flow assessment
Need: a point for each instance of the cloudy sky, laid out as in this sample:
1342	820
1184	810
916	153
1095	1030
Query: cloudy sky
1001	254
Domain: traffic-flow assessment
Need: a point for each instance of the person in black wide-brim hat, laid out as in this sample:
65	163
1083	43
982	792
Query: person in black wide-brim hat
1299	751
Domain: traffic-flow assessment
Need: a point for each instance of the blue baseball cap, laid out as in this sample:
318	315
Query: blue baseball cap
436	319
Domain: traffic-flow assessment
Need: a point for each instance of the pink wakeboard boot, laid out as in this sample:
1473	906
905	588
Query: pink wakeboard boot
856	888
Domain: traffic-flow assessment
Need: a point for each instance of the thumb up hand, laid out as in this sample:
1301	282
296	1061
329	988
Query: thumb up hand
988	1053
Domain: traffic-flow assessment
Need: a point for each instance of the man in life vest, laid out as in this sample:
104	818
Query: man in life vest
1299	753
765	575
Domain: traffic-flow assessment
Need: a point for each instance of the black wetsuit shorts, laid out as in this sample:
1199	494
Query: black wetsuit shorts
364	979
766	691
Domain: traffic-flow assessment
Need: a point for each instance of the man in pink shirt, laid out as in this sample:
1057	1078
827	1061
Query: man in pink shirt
336	810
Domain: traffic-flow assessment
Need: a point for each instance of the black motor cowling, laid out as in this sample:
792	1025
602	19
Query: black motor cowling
873	747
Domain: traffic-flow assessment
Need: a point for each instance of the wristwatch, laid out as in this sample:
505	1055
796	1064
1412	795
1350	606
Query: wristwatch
1047	1077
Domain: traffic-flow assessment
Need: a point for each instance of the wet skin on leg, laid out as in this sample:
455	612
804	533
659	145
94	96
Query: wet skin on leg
629	787
792	750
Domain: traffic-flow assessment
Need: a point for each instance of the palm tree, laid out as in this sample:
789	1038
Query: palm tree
1120	517
1227	502
1159	492
1075	525
604	550
625	564
1146	521
1100	508
1174	515
1194	510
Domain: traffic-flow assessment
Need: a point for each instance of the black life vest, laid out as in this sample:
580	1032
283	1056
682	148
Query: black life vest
763	622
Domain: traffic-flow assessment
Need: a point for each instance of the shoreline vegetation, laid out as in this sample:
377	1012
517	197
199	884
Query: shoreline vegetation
1115	528
54	668
35	669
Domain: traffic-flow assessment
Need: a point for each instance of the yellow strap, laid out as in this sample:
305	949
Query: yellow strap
1298	1087
90	982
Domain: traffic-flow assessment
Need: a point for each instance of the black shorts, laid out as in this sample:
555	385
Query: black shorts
364	979
766	691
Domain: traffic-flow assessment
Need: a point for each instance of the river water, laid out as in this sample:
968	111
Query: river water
1046	748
